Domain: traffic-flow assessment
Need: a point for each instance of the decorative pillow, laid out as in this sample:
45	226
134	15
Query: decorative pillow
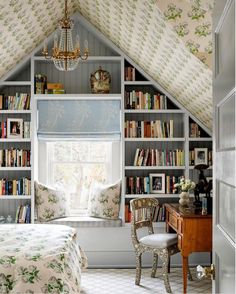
104	201
50	203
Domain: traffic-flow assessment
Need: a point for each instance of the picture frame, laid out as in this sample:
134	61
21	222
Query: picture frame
157	183
200	156
14	128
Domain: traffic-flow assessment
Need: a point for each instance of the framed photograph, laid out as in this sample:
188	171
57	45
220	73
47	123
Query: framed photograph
14	128
157	183
200	156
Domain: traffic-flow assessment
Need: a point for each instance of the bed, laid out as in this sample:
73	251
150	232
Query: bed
39	258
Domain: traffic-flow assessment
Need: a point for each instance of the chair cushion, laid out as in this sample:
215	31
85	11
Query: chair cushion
159	240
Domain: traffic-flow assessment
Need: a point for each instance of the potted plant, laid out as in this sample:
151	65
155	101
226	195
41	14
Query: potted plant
184	186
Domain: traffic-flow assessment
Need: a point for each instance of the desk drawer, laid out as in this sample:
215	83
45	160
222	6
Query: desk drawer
173	221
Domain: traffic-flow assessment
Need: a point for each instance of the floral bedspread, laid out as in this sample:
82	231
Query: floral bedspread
39	258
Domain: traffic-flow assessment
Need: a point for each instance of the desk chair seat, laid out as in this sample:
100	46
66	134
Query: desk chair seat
159	240
162	245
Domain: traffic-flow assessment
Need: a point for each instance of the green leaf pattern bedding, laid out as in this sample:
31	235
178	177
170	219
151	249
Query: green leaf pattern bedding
39	259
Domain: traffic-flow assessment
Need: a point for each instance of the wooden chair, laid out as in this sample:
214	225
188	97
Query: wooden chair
162	245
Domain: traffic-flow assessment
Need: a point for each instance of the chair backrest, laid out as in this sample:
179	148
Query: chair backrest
143	212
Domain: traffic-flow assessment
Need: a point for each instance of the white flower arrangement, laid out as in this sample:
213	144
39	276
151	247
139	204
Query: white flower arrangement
185	185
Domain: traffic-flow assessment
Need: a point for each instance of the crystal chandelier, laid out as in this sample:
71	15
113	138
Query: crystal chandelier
65	56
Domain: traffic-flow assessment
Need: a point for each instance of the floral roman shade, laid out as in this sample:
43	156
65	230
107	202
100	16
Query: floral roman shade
79	119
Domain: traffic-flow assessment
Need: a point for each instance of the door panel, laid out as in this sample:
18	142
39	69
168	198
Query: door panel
225	217
227	122
224	146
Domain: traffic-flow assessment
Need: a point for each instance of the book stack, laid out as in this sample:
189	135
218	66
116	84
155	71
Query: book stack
20	101
137	185
140	100
3	129
54	88
15	187
14	158
154	157
23	214
194	131
130	73
170	181
149	129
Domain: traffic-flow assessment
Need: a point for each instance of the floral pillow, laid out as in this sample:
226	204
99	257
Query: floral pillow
50	203
104	201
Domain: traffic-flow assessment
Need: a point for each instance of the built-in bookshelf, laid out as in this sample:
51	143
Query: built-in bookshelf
158	136
162	142
16	188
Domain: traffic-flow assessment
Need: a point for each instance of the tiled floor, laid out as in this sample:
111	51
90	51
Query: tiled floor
121	281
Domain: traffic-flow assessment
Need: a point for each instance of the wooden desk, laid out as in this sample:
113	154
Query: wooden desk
194	232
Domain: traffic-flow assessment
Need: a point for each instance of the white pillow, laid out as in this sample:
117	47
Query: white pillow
104	201
50	203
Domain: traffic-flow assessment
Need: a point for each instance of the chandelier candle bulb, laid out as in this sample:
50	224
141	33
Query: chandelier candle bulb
65	55
86	44
45	45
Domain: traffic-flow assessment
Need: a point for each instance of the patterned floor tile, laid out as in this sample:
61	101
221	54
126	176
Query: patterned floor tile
121	281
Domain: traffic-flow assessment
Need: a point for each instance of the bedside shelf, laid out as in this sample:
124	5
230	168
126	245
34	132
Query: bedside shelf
14	197
15	168
154	139
154	167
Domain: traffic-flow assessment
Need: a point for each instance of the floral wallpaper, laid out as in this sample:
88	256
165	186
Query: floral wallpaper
192	21
138	27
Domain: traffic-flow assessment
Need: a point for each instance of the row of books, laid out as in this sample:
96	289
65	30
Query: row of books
140	100
149	129
157	214
21	101
194	154
141	185
129	73
23	214
14	158
155	157
15	128
15	187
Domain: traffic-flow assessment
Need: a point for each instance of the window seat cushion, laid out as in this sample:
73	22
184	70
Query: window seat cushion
86	221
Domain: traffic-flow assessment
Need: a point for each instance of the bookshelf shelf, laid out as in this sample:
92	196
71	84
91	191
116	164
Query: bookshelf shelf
15	168
78	96
6	140
174	111
137	83
154	167
15	111
154	139
15	83
200	139
15	197
131	196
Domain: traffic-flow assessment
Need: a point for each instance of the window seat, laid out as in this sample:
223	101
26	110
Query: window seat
86	221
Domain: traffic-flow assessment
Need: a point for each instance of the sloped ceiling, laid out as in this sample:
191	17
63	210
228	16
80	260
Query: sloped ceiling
138	27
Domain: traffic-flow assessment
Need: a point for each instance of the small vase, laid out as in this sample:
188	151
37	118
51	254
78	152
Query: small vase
184	198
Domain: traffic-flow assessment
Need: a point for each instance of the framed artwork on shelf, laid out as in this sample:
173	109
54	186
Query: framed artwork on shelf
200	156
157	183
14	128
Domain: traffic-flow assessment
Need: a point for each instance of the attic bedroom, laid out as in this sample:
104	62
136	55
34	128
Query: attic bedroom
117	146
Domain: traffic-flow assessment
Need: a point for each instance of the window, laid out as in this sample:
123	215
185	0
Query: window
74	165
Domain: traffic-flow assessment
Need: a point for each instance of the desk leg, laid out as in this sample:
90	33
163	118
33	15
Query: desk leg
185	272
